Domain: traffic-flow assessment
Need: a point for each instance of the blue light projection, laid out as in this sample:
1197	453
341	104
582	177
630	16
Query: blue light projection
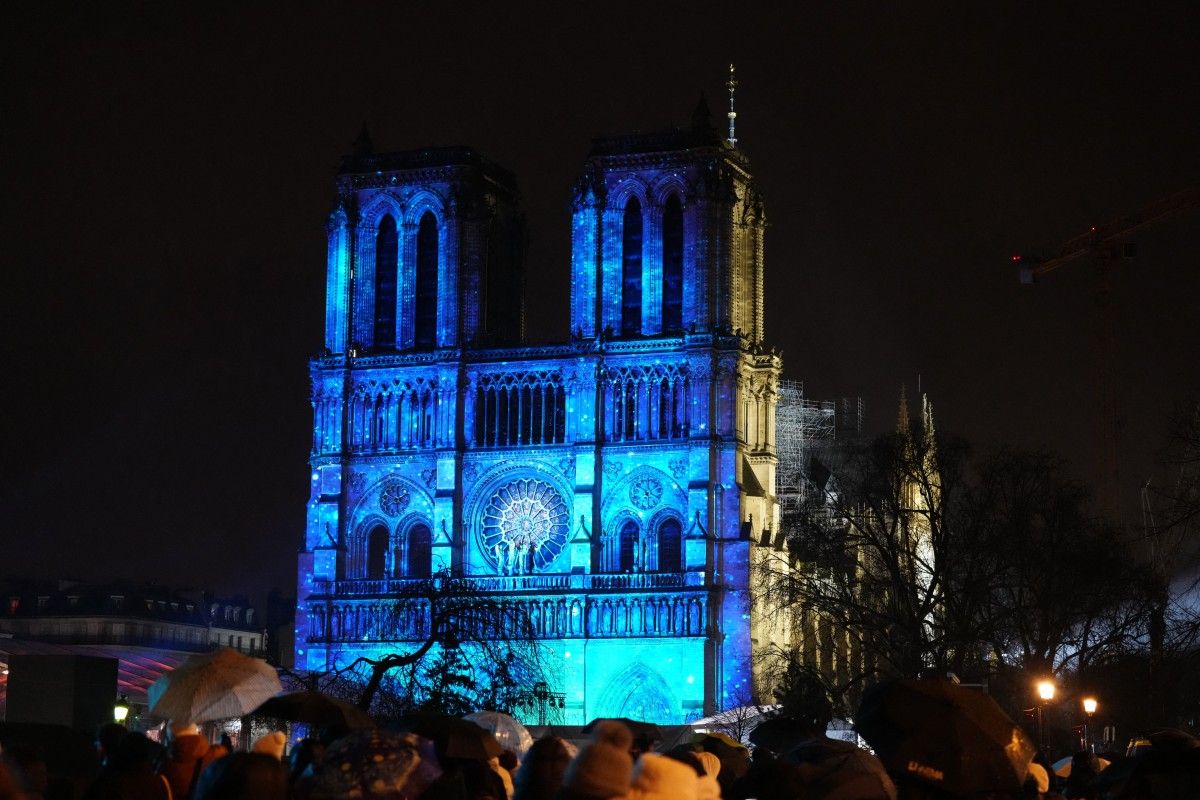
609	488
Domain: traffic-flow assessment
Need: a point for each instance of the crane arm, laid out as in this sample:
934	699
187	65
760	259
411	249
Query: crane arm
1101	237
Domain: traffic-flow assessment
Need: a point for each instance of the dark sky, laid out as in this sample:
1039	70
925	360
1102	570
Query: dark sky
167	173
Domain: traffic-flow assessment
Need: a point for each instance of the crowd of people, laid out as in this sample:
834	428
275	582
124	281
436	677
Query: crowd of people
616	761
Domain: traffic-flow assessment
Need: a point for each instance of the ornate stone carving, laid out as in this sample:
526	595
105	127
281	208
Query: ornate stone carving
612	468
645	493
394	497
678	467
525	526
470	472
566	465
430	477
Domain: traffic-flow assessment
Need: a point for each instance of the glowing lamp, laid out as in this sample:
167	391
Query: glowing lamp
1090	705
121	709
1045	690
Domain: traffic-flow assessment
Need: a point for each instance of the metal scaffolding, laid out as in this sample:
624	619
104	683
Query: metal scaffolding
802	427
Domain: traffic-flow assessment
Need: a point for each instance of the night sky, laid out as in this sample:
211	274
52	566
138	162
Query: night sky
167	174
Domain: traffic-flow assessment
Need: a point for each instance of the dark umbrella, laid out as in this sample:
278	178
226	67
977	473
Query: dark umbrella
837	770
780	734
1168	769
733	755
644	733
315	708
945	735
376	764
453	737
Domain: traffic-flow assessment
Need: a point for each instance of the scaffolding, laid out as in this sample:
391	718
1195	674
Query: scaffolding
802	428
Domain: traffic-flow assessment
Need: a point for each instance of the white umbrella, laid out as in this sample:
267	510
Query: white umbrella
510	734
1062	767
214	685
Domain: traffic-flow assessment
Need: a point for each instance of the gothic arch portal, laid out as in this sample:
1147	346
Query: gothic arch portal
638	692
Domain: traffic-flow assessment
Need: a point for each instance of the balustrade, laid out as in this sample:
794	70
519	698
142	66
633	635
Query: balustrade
605	616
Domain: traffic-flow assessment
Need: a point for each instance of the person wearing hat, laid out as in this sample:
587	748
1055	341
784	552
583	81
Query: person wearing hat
603	767
708	788
273	744
659	777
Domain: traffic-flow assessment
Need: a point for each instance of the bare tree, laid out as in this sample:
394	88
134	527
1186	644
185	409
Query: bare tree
456	648
1066	590
871	552
933	562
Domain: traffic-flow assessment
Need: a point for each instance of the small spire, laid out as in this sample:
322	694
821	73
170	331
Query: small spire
363	146
927	419
902	416
732	85
701	116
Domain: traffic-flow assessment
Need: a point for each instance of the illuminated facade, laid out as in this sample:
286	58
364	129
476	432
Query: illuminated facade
611	488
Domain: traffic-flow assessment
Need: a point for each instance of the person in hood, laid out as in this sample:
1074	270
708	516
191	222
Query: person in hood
541	774
129	774
188	755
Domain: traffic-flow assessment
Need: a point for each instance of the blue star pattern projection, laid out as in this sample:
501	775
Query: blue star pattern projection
612	488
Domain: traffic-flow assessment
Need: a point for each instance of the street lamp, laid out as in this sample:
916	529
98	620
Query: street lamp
1089	709
1045	690
121	710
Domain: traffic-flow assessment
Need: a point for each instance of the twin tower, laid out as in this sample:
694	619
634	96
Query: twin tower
612	488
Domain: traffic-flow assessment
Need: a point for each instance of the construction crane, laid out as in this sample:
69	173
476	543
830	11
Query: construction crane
1103	246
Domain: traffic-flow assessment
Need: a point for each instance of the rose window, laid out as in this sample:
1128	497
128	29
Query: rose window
645	493
394	497
525	526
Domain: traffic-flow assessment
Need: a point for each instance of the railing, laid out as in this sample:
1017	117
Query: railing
368	587
566	616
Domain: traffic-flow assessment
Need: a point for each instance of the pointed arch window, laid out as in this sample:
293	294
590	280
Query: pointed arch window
386	264
672	288
627	546
377	546
425	328
631	269
670	546
420	551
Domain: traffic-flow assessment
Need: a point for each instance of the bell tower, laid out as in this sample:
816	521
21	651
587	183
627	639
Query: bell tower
666	235
425	252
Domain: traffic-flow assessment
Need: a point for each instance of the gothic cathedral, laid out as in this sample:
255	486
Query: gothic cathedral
613	487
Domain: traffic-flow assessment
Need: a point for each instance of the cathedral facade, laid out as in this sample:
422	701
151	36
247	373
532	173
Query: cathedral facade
612	487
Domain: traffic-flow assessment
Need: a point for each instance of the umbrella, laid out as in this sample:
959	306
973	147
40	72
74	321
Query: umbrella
832	768
453	737
315	708
950	736
780	734
216	685
1062	767
645	733
374	763
733	755
510	734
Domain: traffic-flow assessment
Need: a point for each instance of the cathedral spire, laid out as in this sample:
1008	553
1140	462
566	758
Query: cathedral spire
732	85
926	419
902	416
